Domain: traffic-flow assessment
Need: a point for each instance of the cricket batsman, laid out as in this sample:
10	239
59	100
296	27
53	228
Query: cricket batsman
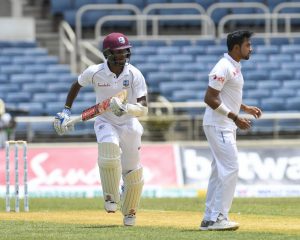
118	130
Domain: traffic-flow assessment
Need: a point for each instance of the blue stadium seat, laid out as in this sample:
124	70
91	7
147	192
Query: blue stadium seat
89	97
268	65
291	84
216	50
193	50
154	78
46	77
138	3
273	104
248	84
283	93
5	60
144	50
194	85
194	67
58	68
147	67
257	93
44	97
3	78
46	60
38	68
292	66
267	49
184	95
259	74
167	88
168	50
9	87
24	60
136	59
54	107
292	48
280	58
170	67
251	101
35	51
269	84
22	78
184	58
10	69
58	87
33	108
60	6
258	57
182	77
292	104
158	58
279	41
281	75
17	97
34	87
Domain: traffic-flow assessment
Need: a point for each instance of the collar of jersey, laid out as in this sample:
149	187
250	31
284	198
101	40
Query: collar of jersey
108	72
235	63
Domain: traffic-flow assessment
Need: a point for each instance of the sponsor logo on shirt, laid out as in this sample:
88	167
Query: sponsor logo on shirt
219	79
103	85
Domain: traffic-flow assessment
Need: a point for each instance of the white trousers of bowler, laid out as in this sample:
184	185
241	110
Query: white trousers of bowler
224	171
126	136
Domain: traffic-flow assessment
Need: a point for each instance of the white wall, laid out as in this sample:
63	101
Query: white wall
17	29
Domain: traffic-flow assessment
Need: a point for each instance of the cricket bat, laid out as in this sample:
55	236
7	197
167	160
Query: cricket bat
97	109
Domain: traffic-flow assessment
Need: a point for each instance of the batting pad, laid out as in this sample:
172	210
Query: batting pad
110	170
133	186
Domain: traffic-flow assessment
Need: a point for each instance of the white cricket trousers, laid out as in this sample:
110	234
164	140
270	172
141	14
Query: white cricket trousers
224	171
127	136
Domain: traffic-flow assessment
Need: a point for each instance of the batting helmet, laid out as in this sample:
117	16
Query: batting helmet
113	44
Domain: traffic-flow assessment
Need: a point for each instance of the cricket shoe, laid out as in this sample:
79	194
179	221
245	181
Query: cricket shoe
110	207
129	220
205	224
222	224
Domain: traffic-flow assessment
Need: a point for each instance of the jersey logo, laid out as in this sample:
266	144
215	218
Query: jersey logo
219	79
125	83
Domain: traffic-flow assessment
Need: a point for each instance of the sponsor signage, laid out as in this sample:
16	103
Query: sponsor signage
69	169
262	171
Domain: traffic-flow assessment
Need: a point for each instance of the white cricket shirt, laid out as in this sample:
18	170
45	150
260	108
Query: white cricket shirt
107	84
227	78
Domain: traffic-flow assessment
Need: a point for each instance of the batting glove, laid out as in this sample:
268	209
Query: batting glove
61	120
117	107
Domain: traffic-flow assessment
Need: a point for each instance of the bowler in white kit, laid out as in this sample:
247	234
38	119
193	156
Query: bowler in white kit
118	130
224	102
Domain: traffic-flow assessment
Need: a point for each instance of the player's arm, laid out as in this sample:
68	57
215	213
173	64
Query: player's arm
62	118
213	100
138	109
254	111
72	94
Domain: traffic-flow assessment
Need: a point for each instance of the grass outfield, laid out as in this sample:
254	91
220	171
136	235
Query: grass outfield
175	218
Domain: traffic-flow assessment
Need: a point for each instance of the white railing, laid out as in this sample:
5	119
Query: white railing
271	30
87	48
158	113
208	30
232	5
67	43
94	7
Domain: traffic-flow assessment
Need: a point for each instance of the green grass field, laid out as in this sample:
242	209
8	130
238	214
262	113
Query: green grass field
175	218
